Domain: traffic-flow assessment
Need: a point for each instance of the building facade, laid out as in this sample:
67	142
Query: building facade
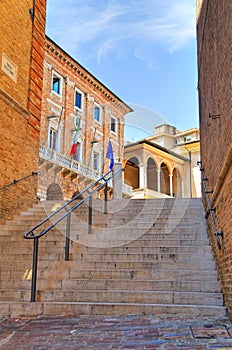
79	118
22	34
214	33
165	164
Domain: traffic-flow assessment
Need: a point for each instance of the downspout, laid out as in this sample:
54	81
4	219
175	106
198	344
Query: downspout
190	171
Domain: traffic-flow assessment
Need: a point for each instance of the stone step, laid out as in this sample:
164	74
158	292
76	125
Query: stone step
149	285
138	296
140	257
119	296
57	247
66	271
129	249
29	309
12	245
156	265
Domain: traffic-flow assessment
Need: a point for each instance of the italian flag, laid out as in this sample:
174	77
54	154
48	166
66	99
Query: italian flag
75	142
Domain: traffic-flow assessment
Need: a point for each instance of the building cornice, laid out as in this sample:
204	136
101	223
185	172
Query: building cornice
63	56
156	146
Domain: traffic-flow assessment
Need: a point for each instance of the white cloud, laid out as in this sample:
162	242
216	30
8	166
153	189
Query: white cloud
101	27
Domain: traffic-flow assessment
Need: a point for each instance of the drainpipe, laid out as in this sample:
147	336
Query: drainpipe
190	170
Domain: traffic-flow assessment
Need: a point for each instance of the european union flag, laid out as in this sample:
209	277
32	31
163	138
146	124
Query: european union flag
110	155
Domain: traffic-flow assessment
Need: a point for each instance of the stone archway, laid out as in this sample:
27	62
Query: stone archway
54	192
164	179
152	183
131	174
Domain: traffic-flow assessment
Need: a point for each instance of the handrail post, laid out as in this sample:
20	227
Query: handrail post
67	241
34	269
105	197
90	216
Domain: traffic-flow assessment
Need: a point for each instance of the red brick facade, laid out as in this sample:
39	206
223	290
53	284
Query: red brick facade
65	79
22	34
214	33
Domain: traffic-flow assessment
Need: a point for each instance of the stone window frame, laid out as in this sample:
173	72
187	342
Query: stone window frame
99	107
96	160
113	125
81	93
53	91
53	125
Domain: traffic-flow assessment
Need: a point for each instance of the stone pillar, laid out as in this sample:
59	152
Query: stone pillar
158	180
117	181
182	189
142	176
171	190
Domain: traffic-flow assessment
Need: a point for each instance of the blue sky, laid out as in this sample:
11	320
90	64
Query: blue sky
142	50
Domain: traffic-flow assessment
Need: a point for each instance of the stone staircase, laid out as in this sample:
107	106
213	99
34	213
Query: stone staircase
144	257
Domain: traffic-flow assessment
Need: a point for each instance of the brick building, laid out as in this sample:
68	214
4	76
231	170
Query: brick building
22	33
76	108
214	33
164	164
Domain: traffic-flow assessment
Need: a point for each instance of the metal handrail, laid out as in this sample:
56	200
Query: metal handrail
14	182
101	182
210	211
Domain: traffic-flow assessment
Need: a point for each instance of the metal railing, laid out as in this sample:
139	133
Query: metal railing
14	182
68	207
209	210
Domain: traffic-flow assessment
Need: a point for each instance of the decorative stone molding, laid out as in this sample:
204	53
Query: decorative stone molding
47	65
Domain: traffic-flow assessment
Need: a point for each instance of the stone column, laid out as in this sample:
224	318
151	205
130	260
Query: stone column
171	190
158	180
182	189
117	181
142	175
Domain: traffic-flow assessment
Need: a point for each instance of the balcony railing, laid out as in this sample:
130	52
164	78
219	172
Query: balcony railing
75	166
68	163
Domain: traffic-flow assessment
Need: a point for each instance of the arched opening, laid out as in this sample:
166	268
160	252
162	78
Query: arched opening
54	192
177	183
131	174
151	175
164	179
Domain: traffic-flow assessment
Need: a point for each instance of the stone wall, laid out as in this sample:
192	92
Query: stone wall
214	32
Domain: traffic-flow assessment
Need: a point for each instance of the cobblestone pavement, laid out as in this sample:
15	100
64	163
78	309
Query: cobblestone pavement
122	332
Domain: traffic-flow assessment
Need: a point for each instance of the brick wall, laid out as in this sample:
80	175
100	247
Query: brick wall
63	112
214	32
21	71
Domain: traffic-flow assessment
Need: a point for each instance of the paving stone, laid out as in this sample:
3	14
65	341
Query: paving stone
120	332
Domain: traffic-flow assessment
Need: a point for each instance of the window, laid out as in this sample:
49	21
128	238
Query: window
97	113
78	99
96	161
52	138
113	124
56	83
